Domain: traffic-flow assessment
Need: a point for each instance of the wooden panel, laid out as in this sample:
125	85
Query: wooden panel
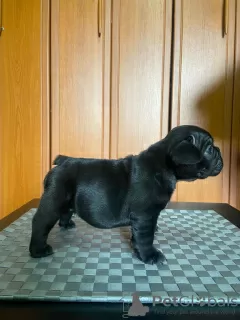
80	78
45	93
202	85
140	74
235	154
20	104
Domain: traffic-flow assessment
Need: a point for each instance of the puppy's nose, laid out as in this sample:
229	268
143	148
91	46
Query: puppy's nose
218	150
218	168
219	156
220	165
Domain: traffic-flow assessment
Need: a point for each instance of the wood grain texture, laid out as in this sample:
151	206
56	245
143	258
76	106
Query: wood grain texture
202	85
54	80
235	147
45	87
81	60
140	74
106	78
20	104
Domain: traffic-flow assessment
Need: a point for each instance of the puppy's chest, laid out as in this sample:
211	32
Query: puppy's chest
163	188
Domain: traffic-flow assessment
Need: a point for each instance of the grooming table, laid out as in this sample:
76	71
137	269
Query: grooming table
93	265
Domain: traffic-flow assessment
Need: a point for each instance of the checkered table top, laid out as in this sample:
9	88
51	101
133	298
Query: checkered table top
202	248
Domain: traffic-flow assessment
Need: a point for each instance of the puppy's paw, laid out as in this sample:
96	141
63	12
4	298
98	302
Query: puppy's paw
154	256
40	253
69	225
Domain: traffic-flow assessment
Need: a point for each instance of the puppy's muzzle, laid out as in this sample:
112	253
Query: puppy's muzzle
219	162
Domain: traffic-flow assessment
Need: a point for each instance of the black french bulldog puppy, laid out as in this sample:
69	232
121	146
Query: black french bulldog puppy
127	192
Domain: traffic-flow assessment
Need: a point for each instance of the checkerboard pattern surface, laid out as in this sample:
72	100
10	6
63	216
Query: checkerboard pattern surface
202	248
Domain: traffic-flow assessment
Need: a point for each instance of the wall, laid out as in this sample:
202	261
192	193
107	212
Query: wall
20	104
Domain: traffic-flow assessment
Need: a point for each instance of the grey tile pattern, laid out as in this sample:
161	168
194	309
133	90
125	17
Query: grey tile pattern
202	248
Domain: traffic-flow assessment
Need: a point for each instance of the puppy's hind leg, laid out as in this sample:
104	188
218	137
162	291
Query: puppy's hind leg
50	209
65	220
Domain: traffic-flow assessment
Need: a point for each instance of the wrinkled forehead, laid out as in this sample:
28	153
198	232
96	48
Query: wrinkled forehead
187	130
203	137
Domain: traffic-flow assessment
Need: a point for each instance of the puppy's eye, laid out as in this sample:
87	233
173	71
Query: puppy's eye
191	139
210	149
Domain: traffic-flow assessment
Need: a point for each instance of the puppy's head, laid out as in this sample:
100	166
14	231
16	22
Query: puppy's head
192	153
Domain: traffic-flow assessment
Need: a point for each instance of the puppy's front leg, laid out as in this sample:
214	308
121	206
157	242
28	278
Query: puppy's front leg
143	228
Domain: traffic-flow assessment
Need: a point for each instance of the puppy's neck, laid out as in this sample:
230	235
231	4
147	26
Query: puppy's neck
157	156
155	159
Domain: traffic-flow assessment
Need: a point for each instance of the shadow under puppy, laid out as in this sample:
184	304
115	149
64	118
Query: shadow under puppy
130	191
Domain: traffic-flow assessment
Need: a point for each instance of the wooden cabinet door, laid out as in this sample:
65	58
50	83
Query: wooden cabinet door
20	104
141	42
80	56
235	147
203	83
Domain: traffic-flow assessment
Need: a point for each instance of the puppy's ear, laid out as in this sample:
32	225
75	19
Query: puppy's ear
185	153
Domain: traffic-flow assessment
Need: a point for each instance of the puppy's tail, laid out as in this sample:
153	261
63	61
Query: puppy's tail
57	161
60	159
